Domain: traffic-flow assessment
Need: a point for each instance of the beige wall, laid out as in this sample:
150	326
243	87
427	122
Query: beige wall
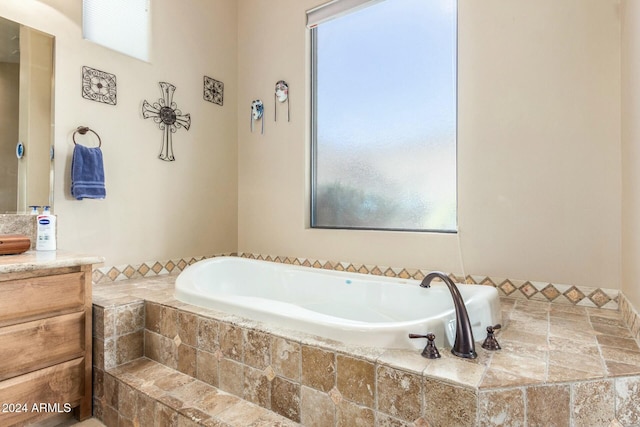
154	210
539	141
538	146
539	132
631	151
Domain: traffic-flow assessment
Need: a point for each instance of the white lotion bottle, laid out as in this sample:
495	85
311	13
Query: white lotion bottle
46	231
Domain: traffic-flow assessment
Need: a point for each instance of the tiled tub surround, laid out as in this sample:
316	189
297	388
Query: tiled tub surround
560	365
577	295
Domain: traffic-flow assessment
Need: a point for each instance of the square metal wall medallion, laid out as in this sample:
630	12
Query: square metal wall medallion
98	86
213	90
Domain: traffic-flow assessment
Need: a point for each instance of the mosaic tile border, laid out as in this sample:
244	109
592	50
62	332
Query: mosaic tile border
582	296
116	273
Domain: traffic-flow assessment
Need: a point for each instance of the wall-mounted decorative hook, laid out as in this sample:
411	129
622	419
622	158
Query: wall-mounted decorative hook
281	95
257	111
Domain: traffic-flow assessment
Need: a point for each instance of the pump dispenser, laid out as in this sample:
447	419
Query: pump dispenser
34	210
46	231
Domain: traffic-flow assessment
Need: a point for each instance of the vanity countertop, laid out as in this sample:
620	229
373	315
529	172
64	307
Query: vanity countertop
33	260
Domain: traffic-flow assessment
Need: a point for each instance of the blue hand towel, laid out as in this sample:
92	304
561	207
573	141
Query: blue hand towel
87	173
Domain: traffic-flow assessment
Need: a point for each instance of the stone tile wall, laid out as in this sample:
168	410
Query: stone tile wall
320	385
118	334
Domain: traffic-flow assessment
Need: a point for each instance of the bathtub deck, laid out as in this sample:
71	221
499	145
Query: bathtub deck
583	362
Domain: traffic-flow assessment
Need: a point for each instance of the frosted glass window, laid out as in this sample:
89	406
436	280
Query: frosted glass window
384	118
121	25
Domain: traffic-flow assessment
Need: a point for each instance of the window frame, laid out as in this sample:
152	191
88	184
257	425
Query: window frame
103	18
314	143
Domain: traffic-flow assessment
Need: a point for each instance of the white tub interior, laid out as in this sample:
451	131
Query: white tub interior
356	309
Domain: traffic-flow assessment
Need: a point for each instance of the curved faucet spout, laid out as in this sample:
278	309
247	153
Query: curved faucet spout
464	345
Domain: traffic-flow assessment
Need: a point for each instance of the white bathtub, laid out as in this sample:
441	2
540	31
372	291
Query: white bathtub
356	309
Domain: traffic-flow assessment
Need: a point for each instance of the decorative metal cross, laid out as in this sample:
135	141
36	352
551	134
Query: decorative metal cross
168	117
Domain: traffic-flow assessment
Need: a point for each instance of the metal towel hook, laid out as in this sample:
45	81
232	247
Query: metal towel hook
82	130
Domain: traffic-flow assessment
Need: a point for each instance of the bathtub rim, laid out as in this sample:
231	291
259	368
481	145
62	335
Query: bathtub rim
229	305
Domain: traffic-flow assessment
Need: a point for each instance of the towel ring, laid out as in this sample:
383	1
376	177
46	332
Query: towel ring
82	130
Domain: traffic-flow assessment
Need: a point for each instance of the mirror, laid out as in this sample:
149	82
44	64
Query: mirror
26	117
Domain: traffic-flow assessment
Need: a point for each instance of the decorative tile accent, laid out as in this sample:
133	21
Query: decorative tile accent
129	271
488	282
574	295
335	396
506	287
269	373
528	290
97	276
146	269
550	292
599	298
522	289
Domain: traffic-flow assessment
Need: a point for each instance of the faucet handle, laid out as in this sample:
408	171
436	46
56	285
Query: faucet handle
430	351
491	343
494	327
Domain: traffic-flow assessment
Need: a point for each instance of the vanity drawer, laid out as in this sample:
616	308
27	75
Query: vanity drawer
38	297
34	345
57	385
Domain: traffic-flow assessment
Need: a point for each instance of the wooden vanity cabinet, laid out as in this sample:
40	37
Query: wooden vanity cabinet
45	343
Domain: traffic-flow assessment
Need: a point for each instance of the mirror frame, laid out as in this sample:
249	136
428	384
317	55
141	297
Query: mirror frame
34	178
